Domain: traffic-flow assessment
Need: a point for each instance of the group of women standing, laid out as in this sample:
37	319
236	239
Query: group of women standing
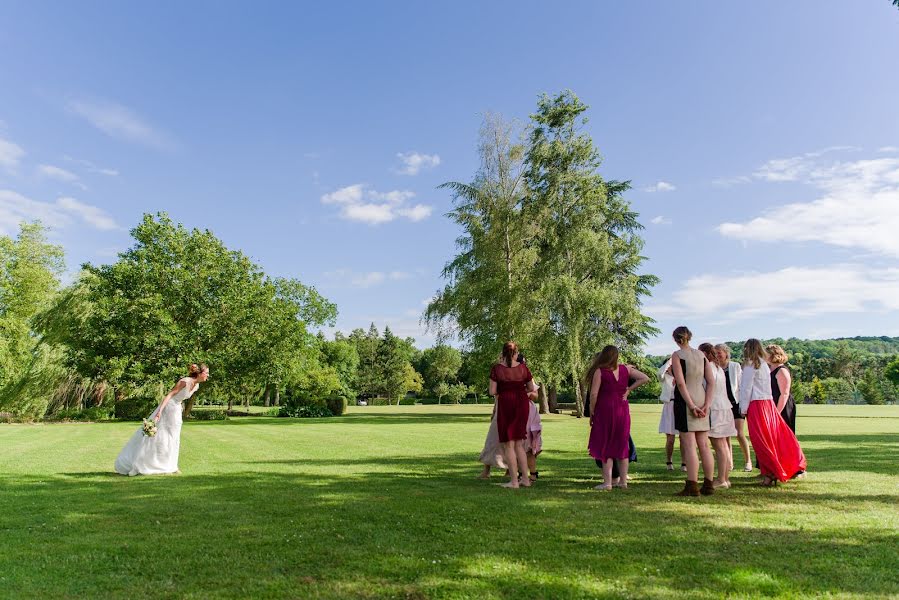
709	397
708	400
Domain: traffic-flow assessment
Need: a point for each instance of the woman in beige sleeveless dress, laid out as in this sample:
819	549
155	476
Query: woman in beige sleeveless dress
692	403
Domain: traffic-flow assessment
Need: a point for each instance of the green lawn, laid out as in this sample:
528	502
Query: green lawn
382	503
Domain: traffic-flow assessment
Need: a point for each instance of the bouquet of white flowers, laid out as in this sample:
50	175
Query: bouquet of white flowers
149	427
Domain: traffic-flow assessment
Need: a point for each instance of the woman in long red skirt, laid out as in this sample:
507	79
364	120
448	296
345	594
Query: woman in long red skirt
776	447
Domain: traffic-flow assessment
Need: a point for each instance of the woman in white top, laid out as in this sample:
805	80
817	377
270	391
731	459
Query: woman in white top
721	420
158	455
666	422
776	447
733	372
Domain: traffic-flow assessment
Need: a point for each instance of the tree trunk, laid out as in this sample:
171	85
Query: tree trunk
268	391
188	406
553	399
541	397
277	395
230	402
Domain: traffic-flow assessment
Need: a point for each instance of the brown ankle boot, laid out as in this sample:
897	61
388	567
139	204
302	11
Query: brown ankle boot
691	488
708	487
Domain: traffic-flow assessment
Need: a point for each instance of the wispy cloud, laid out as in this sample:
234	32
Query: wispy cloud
60	174
858	207
359	203
121	123
10	155
805	291
660	220
793	168
888	149
15	208
365	279
414	162
91	167
660	186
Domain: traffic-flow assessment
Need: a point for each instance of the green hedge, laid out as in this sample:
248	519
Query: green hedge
135	409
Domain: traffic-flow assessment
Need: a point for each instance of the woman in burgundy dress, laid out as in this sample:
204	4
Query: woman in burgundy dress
610	417
512	385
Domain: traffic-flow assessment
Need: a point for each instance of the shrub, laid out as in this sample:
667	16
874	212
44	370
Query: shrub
408	401
304	412
212	414
94	413
336	404
135	409
838	391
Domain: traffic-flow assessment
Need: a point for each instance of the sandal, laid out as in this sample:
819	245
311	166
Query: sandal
603	487
535	475
669	465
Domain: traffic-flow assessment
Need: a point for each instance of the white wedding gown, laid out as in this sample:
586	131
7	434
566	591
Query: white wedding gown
157	455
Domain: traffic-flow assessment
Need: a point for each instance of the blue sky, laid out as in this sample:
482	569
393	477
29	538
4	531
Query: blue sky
762	140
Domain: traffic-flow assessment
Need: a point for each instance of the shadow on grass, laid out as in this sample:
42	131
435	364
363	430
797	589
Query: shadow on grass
422	526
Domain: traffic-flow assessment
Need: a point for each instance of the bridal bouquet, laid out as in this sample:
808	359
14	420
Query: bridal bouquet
149	427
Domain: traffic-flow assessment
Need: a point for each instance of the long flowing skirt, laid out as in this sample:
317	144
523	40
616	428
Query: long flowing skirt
492	454
155	455
776	447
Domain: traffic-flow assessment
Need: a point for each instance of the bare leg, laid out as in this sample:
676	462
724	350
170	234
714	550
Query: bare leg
606	476
744	443
485	474
512	461
680	449
688	454
522	457
705	452
622	470
669	448
532	462
722	457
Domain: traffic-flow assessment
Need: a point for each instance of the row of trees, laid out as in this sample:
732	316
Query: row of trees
550	252
131	327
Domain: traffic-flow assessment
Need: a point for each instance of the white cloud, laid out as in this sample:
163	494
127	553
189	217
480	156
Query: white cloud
365	279
92	168
10	155
888	149
121	123
795	291
15	208
660	186
660	220
414	162
60	174
858	208
359	203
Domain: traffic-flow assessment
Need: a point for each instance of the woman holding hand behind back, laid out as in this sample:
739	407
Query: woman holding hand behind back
692	404
610	417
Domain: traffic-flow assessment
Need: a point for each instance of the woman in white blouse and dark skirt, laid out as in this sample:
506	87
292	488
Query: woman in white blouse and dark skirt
776	447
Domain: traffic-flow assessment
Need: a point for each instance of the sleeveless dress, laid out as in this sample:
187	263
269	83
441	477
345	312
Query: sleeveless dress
157	455
721	415
666	421
512	407
692	363
611	427
789	411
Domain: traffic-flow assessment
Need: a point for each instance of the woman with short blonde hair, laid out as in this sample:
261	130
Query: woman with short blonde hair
732	374
781	384
776	447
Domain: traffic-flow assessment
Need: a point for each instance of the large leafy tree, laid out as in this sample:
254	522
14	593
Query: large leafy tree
487	298
439	364
180	296
588	246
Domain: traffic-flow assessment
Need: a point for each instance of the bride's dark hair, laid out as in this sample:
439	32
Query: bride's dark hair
196	369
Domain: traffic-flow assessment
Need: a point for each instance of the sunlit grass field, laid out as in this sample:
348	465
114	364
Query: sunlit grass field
383	503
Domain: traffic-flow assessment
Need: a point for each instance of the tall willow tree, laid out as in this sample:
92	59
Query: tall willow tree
487	298
587	245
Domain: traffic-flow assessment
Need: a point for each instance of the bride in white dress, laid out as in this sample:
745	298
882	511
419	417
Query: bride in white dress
158	455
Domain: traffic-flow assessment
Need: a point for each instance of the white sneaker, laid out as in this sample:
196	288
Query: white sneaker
748	467
683	468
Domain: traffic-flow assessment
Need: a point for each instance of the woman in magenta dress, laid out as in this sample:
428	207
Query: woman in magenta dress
610	417
512	385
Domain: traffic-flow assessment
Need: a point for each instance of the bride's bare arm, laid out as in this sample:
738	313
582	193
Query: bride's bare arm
178	387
